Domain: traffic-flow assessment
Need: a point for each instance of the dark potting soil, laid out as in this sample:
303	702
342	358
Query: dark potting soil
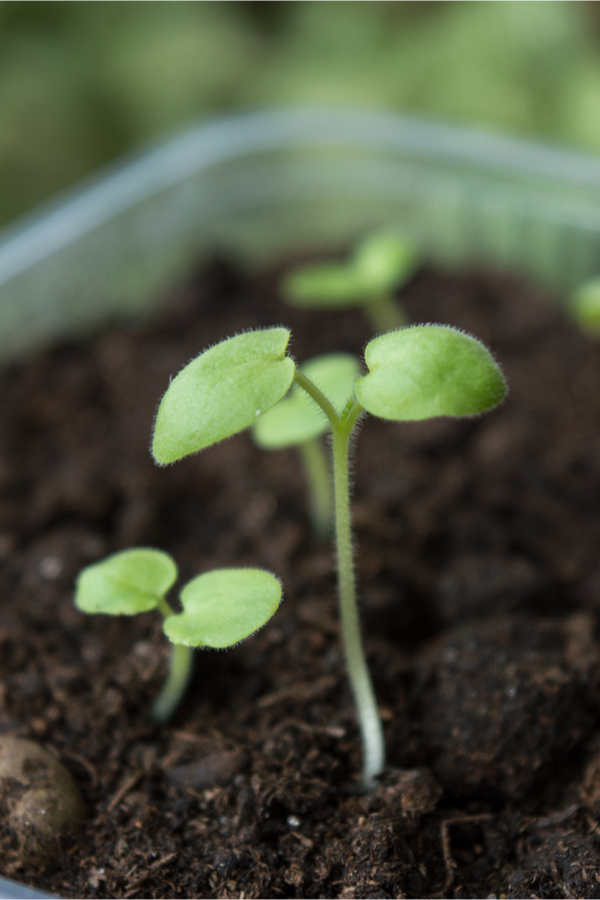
478	562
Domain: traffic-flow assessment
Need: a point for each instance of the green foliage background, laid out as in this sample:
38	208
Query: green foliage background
82	82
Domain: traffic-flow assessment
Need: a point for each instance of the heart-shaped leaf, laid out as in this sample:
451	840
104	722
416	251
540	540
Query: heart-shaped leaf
297	419
222	392
426	371
126	583
223	607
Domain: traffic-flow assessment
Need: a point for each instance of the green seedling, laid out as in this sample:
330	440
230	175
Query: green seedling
584	306
220	608
382	264
296	421
414	373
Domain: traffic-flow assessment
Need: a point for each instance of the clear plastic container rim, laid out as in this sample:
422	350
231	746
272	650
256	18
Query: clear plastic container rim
119	186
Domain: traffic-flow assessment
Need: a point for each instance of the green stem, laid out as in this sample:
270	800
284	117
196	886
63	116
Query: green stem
360	680
385	314
320	499
175	684
318	396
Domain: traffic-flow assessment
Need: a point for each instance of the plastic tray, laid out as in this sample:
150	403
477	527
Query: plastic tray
260	183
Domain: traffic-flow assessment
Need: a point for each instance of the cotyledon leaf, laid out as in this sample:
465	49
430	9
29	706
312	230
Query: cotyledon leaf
222	392
222	607
429	370
126	583
297	419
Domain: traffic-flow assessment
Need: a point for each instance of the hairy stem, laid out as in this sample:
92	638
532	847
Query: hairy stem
318	396
174	685
385	314
320	499
360	680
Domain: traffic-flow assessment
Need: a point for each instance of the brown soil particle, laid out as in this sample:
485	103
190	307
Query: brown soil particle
477	559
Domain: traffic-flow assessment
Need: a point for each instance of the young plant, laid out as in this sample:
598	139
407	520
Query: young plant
296	421
382	264
584	306
220	608
414	373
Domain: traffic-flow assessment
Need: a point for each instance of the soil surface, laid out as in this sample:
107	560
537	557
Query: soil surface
478	562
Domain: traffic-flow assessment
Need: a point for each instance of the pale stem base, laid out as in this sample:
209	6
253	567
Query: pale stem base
369	720
360	679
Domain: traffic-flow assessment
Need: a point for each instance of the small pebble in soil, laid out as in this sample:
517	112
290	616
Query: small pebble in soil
39	799
50	567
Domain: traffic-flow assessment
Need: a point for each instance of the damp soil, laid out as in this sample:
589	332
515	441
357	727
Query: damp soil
478	563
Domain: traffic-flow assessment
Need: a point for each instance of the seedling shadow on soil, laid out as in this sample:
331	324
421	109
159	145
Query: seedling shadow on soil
477	568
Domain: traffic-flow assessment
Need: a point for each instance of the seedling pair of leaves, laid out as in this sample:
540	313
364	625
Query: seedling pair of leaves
382	263
220	608
413	374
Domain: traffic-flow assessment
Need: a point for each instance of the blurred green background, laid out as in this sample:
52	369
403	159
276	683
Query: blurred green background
81	83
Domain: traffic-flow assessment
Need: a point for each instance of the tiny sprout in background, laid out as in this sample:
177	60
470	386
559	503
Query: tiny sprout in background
414	373
584	306
297	421
220	608
382	264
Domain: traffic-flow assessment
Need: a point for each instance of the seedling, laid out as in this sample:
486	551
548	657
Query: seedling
383	262
585	306
414	373
220	608
297	422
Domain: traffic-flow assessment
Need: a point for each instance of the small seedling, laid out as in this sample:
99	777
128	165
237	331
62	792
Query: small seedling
584	306
296	421
382	264
220	608
413	374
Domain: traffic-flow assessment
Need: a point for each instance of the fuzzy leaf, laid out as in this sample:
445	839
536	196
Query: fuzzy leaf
126	583
222	392
297	419
223	607
426	371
